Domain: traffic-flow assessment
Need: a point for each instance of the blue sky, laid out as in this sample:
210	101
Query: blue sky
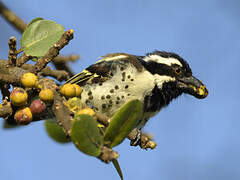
197	139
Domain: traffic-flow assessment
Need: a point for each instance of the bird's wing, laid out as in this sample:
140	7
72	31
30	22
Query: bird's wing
104	68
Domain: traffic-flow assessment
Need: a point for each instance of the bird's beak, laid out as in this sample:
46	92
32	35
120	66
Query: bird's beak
193	86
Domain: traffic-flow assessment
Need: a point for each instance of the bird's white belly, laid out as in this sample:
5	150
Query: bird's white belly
124	86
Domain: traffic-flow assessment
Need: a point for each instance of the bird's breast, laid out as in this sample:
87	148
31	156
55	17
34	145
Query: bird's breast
108	96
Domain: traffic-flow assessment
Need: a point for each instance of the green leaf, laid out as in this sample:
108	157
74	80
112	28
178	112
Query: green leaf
34	20
118	168
123	122
86	136
39	36
56	132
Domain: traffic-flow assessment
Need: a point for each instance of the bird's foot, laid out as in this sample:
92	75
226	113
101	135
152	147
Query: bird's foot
138	138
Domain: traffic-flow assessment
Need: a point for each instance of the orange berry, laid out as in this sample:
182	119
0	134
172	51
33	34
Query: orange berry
23	116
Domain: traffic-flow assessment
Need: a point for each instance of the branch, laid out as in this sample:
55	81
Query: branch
23	59
47	71
12	53
14	20
61	61
6	110
53	51
4	90
62	113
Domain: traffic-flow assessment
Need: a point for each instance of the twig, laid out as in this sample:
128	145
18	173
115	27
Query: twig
60	75
10	74
20	50
145	141
6	110
108	154
14	20
101	118
20	25
12	53
61	59
60	63
62	113
53	51
23	59
4	90
47	71
63	66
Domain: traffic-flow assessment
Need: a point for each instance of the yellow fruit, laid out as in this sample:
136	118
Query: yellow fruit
74	104
29	80
23	116
87	111
46	95
18	97
68	90
78	90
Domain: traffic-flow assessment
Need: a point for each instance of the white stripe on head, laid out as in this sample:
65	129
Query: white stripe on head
111	58
160	79
162	60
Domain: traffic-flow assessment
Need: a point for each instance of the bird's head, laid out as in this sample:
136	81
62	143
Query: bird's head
173	73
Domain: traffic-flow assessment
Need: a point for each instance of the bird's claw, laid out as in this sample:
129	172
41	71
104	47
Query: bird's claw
138	138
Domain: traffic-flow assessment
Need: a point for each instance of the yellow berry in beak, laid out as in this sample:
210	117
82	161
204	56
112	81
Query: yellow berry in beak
202	91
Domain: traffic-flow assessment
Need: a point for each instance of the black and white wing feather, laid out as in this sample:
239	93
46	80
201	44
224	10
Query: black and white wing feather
105	68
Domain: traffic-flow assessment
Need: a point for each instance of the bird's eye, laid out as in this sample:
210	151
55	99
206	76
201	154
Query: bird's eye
178	70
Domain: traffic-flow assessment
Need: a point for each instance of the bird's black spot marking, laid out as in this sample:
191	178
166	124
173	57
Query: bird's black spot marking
117	102
123	76
91	97
129	76
111	74
110	102
100	84
89	93
104	106
103	97
116	87
108	96
122	97
126	86
118	98
96	109
112	91
122	68
109	105
132	79
128	94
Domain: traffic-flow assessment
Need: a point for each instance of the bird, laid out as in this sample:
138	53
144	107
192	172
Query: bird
155	79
